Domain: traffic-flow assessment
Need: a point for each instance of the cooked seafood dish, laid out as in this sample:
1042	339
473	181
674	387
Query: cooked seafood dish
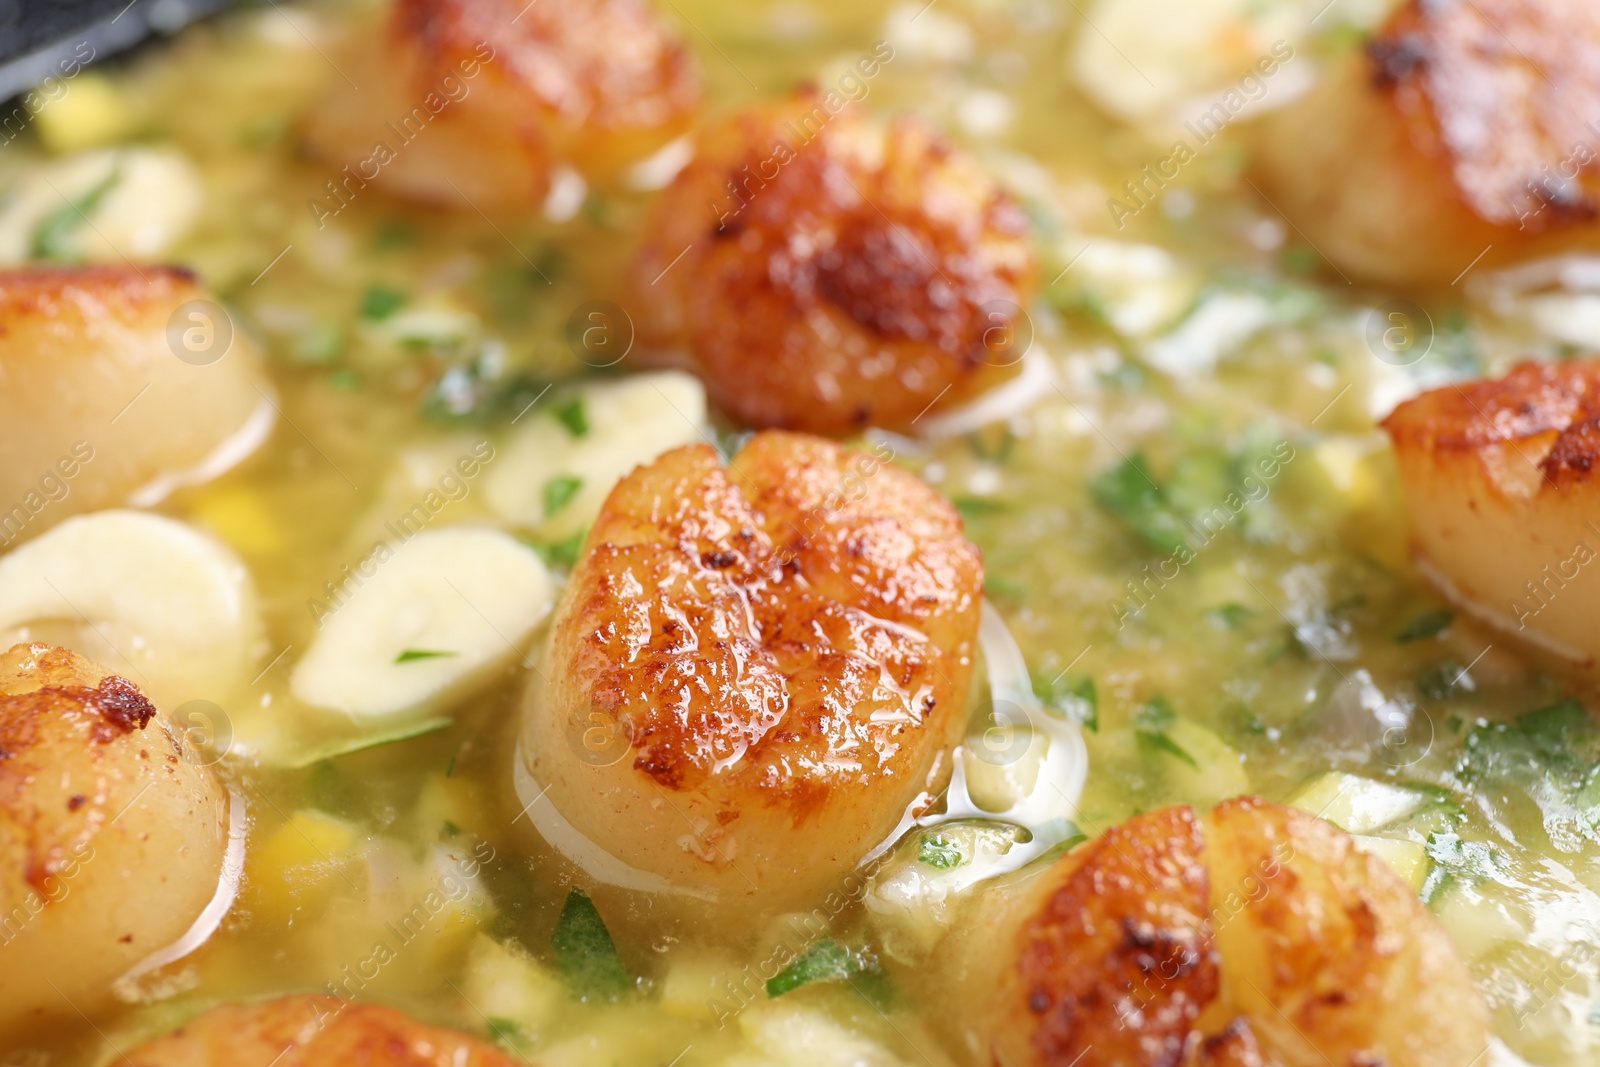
982	533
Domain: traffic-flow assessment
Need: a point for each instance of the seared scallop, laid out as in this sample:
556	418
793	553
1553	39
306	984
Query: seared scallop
1462	130
1257	934
753	671
477	100
825	273
117	384
112	833
1500	482
313	1031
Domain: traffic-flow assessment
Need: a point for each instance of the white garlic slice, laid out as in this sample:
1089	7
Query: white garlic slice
155	600
424	623
552	480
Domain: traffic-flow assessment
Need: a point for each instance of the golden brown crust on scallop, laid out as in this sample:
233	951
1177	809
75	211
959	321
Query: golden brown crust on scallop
1235	1045
601	66
1545	413
49	696
1256	936
1504	91
1119	959
313	1031
472	103
1338	960
111	835
834	274
745	625
122	291
1464	137
1498	477
785	645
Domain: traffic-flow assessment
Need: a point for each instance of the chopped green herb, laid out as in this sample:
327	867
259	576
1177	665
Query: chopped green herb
1550	753
1426	625
1560	739
1300	258
1130	493
411	655
872	985
1455	860
1199	484
1231	615
393	234
585	954
1288	642
1244	720
450	829
935	851
53	237
1455	723
345	746
1082	302
825	961
1150	725
558	493
1073	695
1442	680
972	507
1347	605
1074	838
729	441
329	791
479	390
1455	344
381	301
1255	467
508	1034
1000	587
574	417
563	553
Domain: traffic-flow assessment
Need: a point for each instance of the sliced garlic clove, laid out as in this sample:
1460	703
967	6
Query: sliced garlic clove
155	600
1181	56
425	623
553	480
105	205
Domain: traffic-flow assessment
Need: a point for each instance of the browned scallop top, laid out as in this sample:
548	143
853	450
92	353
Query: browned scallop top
314	1031
789	621
606	63
1255	934
125	291
1119	961
1509	91
819	247
1548	413
54	701
896	241
1235	1045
